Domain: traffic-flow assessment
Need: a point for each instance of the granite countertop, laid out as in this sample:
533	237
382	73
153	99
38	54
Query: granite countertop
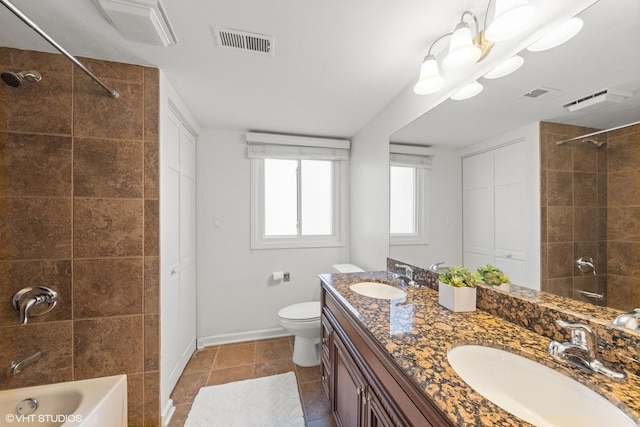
418	332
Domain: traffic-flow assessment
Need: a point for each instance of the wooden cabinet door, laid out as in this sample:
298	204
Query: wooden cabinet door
376	415
348	387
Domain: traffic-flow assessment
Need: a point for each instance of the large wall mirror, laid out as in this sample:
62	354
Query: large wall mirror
589	205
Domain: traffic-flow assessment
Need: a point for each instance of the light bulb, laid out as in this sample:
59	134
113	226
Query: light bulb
430	80
559	35
510	19
462	51
507	67
469	91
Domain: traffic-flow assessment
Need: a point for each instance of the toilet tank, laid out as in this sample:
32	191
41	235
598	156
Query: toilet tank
347	268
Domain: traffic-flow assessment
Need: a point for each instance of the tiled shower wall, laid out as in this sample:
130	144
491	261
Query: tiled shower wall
79	213
590	198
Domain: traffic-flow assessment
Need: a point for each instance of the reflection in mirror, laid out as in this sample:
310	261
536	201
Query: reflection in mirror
589	190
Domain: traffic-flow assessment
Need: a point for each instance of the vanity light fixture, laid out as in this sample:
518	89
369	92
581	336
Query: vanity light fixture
466	47
462	50
559	35
468	91
506	68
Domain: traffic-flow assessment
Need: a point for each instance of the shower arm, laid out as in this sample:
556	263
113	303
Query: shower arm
592	133
24	18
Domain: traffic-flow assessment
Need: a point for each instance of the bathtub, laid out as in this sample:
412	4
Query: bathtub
98	402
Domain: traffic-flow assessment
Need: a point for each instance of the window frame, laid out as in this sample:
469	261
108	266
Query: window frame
340	215
421	203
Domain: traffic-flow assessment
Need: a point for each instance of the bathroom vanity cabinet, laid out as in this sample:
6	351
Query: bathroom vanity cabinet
365	387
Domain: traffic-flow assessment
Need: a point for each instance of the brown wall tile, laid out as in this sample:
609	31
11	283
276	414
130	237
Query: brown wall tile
152	399
559	224
623	189
559	188
585	189
151	227
151	342
35	228
151	104
107	227
37	165
96	115
108	346
18	342
104	293
623	258
43	107
585	224
624	223
114	171
107	168
560	260
151	180
151	285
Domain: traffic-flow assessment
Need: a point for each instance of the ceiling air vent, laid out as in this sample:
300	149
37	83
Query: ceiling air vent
542	92
600	99
243	40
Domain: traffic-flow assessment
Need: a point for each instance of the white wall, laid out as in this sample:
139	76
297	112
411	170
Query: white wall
237	300
445	215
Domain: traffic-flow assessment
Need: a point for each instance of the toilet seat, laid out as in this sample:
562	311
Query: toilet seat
302	312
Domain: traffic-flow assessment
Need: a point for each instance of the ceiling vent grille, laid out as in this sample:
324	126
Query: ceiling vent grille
541	92
600	99
252	42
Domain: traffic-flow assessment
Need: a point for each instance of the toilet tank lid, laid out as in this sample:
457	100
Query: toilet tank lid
301	311
347	268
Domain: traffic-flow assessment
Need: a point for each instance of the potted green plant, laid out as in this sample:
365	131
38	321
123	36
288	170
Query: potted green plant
492	275
457	289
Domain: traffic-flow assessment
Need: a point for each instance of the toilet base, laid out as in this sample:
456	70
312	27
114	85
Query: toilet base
306	351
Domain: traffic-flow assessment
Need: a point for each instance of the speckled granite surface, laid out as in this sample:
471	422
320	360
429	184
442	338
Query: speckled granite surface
418	332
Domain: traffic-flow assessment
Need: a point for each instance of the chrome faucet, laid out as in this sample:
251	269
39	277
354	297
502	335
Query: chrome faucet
406	275
17	366
585	264
581	350
434	267
34	301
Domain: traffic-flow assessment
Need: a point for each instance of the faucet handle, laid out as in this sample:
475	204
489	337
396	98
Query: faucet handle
581	335
34	301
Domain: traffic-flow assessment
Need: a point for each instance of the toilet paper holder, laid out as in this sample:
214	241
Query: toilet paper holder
280	276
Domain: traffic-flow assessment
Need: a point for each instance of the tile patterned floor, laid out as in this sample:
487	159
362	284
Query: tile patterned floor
241	361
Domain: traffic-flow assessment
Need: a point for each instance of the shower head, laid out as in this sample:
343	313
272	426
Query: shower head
598	144
15	79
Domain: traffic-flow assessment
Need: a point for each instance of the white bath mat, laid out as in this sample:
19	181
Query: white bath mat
262	402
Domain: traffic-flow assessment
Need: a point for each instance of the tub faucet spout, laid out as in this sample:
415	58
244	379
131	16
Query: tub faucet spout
18	366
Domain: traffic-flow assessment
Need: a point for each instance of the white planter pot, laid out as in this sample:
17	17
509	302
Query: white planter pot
457	299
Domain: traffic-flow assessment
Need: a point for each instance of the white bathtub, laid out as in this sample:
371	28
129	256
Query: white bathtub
99	402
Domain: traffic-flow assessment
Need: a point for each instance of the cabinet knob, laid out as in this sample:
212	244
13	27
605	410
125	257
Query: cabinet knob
359	390
324	340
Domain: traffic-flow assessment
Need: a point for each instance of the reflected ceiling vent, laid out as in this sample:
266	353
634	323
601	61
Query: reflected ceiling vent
542	93
252	42
600	99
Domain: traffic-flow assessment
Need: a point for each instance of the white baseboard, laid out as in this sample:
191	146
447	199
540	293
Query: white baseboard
241	336
167	412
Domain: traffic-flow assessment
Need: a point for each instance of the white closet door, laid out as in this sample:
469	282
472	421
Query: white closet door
177	255
477	203
493	203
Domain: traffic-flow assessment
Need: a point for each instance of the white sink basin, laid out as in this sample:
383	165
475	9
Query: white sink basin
531	391
377	290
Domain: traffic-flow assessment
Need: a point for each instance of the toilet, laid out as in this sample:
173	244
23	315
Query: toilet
303	321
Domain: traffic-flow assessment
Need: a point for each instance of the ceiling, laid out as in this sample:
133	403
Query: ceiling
336	65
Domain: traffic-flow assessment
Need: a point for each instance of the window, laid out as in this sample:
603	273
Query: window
298	194
408	184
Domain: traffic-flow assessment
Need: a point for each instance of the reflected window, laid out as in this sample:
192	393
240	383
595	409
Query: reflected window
408	186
